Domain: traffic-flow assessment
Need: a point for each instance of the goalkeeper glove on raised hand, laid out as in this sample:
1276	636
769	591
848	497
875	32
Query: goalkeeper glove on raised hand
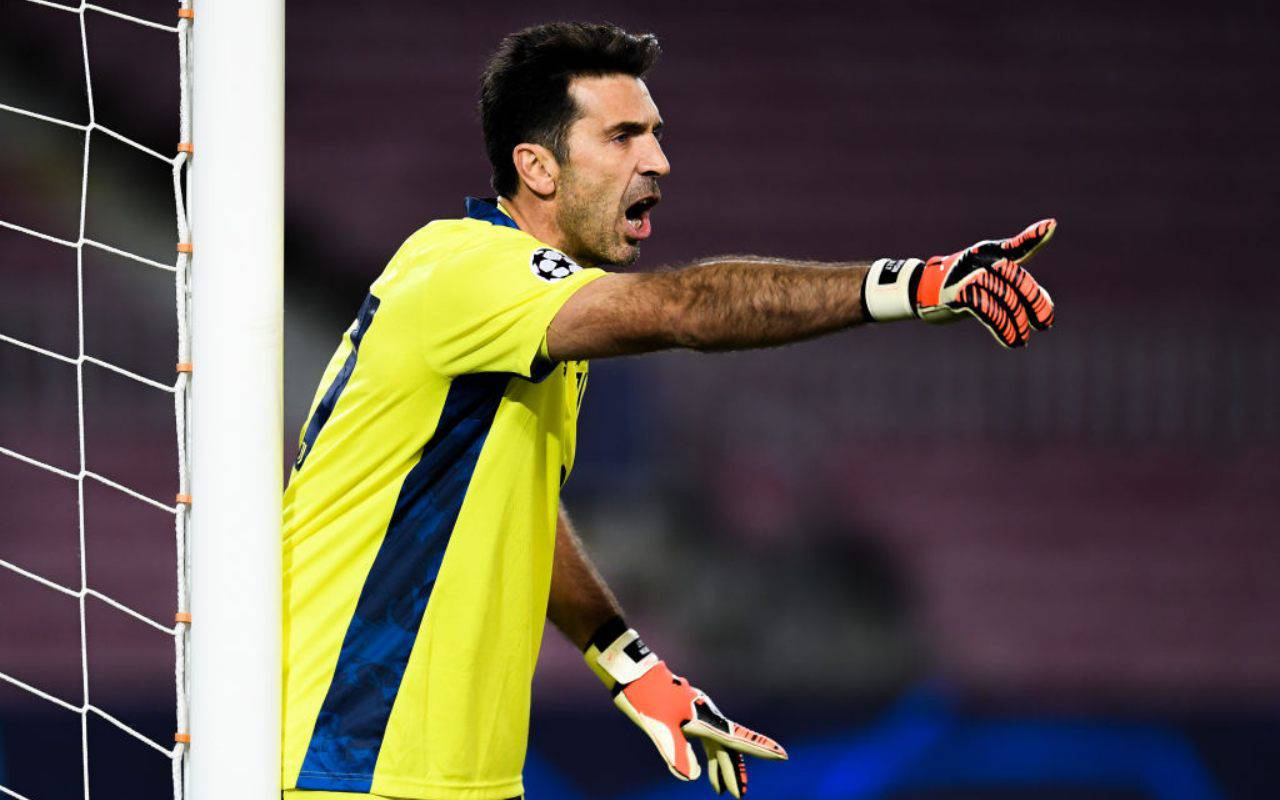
668	710
986	280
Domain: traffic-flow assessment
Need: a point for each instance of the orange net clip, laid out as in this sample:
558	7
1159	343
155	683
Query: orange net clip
186	13
186	366
182	616
184	499
186	147
182	738
186	247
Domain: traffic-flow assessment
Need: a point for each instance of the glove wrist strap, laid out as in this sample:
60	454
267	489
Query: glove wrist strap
618	659
889	290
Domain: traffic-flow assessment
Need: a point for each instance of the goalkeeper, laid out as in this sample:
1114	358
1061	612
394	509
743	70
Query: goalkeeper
424	541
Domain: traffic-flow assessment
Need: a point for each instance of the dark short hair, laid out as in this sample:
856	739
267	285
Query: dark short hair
524	91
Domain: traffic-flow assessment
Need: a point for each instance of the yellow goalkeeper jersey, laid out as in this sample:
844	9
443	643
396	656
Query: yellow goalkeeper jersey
419	520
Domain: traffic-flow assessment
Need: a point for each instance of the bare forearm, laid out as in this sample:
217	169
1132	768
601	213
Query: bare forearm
737	302
725	303
580	600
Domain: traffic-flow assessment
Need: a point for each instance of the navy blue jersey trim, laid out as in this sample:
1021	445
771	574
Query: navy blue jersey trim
486	208
352	721
324	409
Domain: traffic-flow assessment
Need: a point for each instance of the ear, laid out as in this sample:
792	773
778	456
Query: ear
537	168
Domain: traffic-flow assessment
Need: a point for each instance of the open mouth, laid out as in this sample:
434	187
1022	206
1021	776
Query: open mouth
637	216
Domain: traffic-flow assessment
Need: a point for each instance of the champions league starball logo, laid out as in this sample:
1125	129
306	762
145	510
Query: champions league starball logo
552	265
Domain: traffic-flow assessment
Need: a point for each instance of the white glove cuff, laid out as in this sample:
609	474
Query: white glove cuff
624	660
887	290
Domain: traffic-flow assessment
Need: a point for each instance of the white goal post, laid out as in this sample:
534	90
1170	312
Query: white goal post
237	206
228	194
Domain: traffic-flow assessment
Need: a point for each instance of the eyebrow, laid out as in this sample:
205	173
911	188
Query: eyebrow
631	128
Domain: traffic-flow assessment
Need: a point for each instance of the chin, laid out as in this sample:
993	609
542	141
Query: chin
626	255
612	251
620	257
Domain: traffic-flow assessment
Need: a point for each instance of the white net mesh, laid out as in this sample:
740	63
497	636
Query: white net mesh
80	474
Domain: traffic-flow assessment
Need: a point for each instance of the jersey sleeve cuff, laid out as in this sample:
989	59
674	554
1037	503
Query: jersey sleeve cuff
540	362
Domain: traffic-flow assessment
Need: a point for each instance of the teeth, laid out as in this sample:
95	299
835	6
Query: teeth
635	223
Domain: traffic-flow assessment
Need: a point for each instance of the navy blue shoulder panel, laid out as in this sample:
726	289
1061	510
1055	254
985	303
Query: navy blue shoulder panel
486	209
324	409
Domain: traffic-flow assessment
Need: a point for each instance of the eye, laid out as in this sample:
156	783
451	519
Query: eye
621	137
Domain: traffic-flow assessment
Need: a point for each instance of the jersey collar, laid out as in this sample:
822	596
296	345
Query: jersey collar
489	210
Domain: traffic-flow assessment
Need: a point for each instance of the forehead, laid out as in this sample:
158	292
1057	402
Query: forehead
604	100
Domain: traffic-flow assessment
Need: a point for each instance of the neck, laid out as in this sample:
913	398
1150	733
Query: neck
535	217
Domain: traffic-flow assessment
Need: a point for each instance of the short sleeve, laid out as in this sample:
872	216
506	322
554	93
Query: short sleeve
488	310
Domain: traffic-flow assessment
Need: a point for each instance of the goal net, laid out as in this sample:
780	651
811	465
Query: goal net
140	447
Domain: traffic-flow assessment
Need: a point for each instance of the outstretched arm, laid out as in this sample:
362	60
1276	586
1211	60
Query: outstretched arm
738	302
727	303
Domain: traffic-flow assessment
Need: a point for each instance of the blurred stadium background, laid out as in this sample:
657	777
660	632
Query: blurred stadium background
931	568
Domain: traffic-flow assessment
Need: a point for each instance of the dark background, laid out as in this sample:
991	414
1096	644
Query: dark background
930	567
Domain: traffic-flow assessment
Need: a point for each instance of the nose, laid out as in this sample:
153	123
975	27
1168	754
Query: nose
653	163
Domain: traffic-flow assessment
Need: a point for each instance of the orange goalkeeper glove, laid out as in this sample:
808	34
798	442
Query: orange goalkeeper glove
668	710
986	280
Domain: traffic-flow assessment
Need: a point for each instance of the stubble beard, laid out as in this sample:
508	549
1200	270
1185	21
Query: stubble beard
590	235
